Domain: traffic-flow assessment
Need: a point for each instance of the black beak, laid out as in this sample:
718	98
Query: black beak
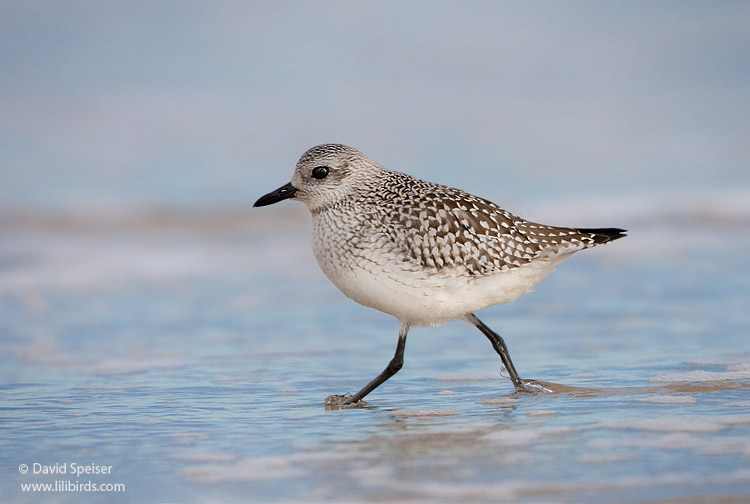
282	193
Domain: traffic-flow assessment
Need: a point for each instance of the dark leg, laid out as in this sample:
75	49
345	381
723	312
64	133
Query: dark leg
499	346
391	369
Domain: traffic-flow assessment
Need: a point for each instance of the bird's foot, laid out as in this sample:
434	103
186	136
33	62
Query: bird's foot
336	402
531	387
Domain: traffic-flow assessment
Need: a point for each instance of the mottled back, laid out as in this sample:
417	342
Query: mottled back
442	227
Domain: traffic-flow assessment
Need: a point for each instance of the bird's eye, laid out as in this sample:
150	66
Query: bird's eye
320	172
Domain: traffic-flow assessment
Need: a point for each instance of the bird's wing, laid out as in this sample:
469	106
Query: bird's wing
442	227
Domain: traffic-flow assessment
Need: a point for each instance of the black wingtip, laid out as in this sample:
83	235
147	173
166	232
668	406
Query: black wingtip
604	235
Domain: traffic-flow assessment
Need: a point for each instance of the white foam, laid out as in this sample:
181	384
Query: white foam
682	424
113	366
258	468
668	399
512	437
696	442
45	254
261	468
703	376
410	413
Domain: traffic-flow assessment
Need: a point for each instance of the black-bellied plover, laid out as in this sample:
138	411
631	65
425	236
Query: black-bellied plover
422	252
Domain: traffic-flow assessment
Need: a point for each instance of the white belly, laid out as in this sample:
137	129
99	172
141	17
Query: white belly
423	297
373	271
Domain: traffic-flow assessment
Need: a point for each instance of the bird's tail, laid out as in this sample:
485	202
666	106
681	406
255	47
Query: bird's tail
603	235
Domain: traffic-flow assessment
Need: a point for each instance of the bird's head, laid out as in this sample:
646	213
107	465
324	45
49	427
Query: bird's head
326	175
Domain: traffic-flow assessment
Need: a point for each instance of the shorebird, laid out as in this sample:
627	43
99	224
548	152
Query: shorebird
424	253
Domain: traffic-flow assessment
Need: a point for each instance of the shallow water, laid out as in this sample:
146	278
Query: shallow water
192	354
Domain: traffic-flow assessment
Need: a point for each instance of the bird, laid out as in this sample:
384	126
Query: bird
421	252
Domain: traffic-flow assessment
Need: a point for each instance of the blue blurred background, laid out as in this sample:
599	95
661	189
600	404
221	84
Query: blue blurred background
119	105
